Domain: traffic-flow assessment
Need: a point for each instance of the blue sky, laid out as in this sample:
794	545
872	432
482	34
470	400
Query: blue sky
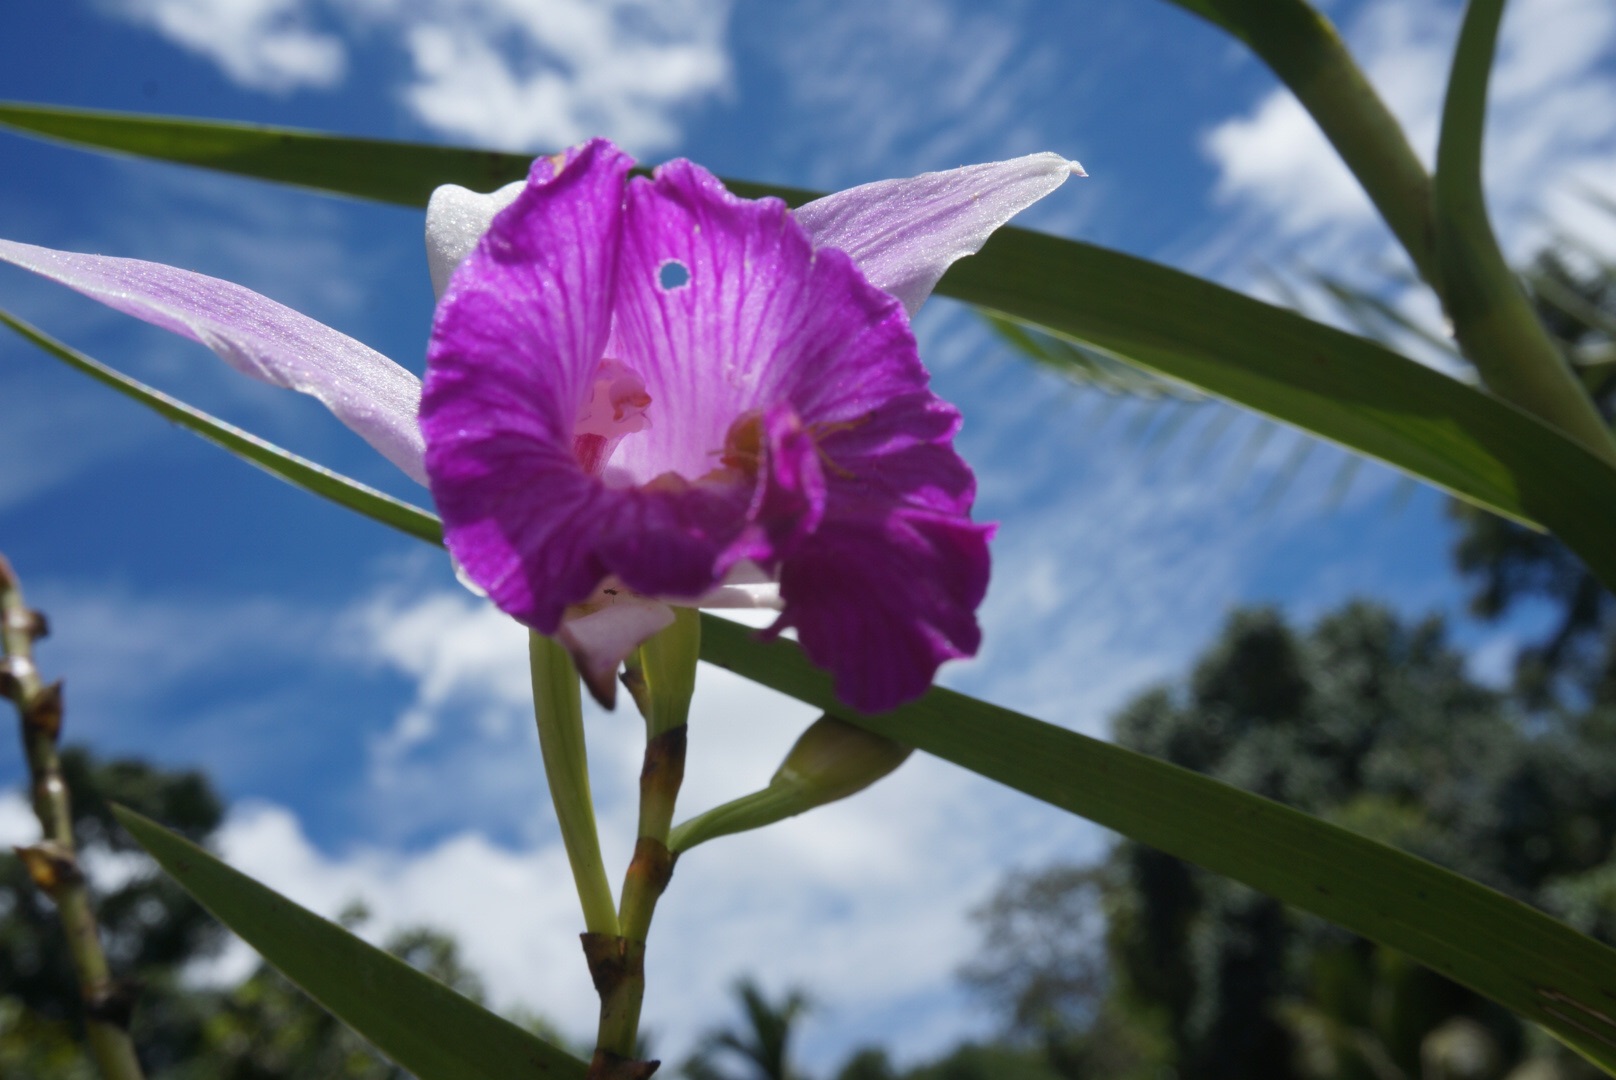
369	718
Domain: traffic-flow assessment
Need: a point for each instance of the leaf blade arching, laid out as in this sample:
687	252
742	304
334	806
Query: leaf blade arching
419	1023
1513	954
298	471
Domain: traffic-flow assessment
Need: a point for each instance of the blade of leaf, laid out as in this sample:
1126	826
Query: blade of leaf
299	471
386	171
1499	947
419	1023
1335	385
1492	317
1338	386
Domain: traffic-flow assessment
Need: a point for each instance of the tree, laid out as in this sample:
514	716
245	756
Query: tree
760	1045
263	1029
150	927
1366	720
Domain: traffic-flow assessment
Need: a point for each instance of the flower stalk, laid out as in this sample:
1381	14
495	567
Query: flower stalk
558	709
662	678
53	862
831	760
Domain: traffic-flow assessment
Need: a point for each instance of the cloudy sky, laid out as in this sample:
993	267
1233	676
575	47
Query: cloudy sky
370	720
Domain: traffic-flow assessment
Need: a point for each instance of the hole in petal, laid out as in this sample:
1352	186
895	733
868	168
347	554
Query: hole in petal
673	274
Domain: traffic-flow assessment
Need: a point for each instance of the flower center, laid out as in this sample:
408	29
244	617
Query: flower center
743	444
615	408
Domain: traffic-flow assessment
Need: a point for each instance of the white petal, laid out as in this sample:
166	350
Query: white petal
456	219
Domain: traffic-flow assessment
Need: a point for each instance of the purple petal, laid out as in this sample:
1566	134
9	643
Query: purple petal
882	598
256	336
516	355
887	588
904	233
760	319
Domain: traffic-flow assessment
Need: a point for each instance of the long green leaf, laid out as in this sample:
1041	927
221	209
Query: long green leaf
1492	317
1499	947
419	1023
296	470
1338	386
394	172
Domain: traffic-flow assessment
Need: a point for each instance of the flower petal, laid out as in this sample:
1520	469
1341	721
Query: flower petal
883	598
601	639
759	318
516	348
456	219
904	233
515	343
887	588
256	336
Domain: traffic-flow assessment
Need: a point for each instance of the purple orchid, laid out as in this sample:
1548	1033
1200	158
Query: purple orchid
652	391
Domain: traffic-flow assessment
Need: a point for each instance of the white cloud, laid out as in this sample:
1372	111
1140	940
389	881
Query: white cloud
524	75
1551	128
513	74
268	45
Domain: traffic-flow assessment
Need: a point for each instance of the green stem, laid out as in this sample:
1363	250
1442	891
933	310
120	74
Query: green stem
764	807
1492	316
53	862
831	760
558	708
1304	49
663	678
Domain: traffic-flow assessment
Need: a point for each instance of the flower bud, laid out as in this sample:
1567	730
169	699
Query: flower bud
830	761
833	759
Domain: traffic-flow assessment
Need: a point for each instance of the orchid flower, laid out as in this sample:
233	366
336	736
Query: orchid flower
650	391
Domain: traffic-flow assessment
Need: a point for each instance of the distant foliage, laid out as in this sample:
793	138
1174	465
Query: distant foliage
1373	723
262	1029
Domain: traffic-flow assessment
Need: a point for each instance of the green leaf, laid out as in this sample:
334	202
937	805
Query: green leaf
419	1023
1335	385
299	471
1499	947
394	172
1492	317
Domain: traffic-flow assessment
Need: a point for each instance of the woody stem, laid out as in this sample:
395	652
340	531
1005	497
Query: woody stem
53	862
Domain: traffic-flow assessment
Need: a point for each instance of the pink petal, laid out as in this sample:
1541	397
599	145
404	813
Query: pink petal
601	639
904	233
256	336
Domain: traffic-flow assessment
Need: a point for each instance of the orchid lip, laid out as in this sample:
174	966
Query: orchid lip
689	385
